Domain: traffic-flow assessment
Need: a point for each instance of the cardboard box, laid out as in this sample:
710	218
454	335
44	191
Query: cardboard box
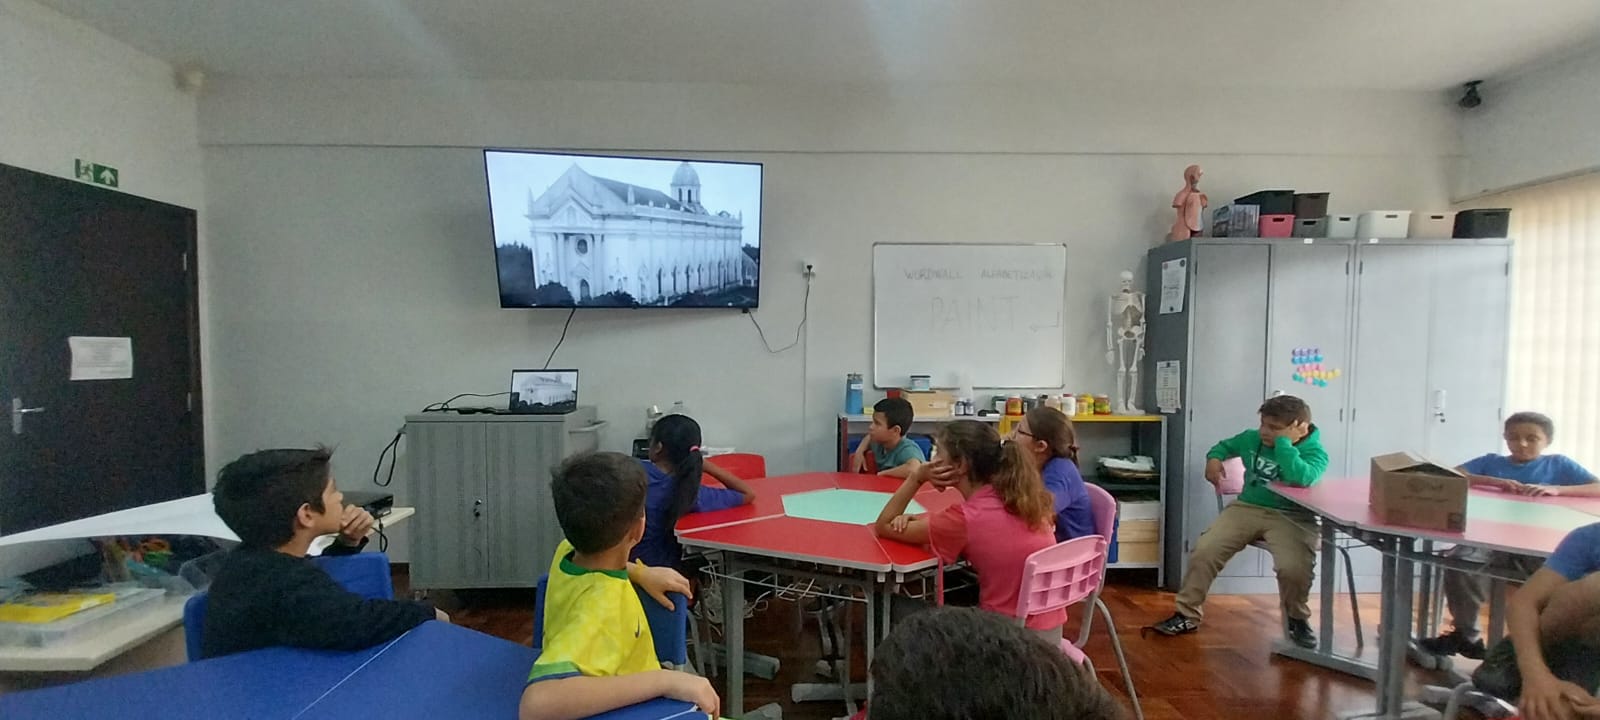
1408	489
933	403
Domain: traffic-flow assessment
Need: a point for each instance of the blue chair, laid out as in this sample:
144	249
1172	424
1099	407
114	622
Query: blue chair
365	574
669	628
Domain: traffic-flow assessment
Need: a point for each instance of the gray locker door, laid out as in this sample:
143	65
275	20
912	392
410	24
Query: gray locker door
1389	377
448	476
1311	292
522	528
1226	375
1467	356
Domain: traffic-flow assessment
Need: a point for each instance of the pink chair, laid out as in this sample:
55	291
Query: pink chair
1103	508
1060	576
1233	483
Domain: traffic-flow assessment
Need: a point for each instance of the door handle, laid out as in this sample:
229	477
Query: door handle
18	412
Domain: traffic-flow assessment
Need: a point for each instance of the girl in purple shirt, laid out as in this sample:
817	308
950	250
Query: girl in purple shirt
1049	438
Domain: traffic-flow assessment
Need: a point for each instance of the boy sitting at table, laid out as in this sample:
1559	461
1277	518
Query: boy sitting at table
893	454
597	653
1551	659
1285	448
1526	470
267	593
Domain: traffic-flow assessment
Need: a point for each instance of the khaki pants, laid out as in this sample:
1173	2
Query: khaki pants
1466	593
1290	536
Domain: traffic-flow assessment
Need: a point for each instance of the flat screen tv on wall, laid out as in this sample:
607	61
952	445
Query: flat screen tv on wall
602	231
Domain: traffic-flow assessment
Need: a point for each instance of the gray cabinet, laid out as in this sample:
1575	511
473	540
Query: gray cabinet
1416	328
481	486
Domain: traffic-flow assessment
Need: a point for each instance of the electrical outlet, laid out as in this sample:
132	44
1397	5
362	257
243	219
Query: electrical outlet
808	268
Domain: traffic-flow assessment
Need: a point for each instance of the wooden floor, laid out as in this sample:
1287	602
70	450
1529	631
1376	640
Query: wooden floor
1224	671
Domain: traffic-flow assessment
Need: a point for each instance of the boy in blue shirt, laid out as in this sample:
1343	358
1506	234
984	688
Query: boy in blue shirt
895	454
1551	659
1525	471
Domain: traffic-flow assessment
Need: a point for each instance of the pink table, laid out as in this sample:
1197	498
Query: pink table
762	536
1495	521
1541	525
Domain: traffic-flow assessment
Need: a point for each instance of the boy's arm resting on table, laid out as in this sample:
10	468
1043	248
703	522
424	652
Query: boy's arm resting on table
902	470
580	696
1589	489
1296	466
330	617
912	530
731	481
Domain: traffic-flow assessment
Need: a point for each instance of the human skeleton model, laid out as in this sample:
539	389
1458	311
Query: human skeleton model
1125	343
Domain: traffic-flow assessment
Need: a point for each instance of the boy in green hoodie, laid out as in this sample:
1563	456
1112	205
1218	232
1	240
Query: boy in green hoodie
1285	449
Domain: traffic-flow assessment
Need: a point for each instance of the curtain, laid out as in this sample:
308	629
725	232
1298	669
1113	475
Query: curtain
1554	362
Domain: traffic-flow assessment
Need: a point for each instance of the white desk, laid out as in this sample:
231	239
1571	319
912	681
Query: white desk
87	653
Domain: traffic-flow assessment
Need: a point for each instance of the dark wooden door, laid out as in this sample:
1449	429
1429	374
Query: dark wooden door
78	260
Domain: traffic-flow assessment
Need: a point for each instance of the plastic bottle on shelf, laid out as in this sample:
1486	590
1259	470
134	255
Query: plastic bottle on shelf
852	394
1069	404
1013	416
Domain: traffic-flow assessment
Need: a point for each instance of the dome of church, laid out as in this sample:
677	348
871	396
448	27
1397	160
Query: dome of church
685	176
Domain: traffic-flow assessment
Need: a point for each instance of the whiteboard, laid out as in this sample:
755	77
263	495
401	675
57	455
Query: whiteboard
992	312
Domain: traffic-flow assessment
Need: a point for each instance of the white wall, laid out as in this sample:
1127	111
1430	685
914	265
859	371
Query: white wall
1536	125
71	92
353	278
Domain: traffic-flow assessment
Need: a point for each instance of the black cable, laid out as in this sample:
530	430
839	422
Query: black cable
393	446
805	312
562	340
441	406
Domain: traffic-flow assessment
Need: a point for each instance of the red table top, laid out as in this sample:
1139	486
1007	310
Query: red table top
1344	500
762	528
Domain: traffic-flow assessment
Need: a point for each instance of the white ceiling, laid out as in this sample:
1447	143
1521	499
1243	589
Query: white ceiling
1369	44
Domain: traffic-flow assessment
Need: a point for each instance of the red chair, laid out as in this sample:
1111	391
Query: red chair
745	466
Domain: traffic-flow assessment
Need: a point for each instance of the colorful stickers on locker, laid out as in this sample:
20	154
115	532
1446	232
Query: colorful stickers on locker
1308	368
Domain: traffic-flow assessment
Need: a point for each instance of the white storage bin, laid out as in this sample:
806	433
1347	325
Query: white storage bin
1130	511
129	602
1383	224
1341	226
1436	225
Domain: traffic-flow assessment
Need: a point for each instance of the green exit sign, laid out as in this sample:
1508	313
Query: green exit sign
94	173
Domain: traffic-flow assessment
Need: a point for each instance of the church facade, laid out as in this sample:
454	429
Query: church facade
594	236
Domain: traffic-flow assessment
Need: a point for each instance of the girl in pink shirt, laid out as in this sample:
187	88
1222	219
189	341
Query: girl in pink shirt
1007	514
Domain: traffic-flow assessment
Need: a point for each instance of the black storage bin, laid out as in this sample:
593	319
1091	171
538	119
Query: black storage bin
1271	202
1310	205
1483	223
1310	227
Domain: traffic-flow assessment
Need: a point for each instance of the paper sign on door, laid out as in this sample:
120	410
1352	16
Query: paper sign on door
101	358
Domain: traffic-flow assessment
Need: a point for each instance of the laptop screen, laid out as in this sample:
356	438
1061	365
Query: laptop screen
544	392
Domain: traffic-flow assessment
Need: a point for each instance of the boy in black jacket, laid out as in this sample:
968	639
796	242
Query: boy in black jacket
267	593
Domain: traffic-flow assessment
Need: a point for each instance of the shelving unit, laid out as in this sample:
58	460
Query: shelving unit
1143	519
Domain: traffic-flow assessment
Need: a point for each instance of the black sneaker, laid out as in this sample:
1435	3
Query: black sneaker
1300	634
1174	626
1454	642
1498	675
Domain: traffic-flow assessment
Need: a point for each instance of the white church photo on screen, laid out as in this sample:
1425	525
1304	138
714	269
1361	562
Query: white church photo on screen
594	235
